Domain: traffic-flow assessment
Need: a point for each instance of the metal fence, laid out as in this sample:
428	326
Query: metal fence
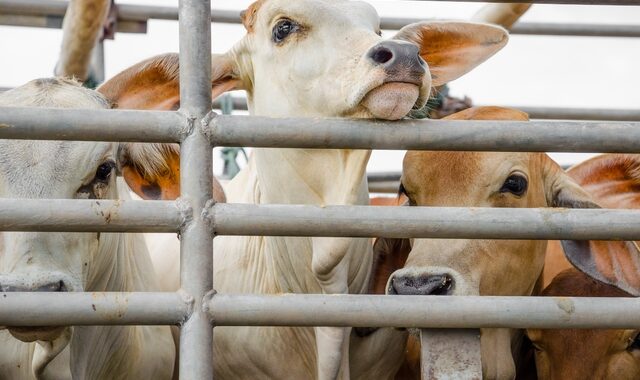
196	308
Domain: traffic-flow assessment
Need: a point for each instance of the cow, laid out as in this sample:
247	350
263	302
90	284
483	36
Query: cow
87	261
482	267
612	180
585	353
320	58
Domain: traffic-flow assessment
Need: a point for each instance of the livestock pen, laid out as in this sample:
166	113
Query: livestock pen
197	307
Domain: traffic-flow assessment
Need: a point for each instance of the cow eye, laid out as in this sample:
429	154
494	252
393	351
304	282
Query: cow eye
515	184
634	343
283	29
103	173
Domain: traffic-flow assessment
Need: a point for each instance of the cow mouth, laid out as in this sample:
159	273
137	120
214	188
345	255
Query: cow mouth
392	100
32	334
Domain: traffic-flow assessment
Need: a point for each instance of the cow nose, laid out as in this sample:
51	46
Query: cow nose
393	56
56	286
422	285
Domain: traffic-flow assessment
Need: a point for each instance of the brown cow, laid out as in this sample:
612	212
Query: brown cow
585	354
485	267
613	181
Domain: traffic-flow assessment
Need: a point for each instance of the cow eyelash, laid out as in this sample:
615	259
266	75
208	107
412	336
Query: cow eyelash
283	29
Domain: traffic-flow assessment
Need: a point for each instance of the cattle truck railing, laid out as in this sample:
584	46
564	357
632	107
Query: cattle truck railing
196	308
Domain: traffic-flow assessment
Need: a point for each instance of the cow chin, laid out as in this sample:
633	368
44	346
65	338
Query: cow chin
32	334
391	101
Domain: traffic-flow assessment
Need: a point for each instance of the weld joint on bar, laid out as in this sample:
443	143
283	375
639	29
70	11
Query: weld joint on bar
209	128
189	303
209	215
186	212
207	302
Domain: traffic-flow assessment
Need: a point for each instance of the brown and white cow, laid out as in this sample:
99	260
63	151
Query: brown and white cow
613	181
482	267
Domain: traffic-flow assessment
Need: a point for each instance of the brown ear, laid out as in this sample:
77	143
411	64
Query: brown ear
452	49
613	262
151	170
153	84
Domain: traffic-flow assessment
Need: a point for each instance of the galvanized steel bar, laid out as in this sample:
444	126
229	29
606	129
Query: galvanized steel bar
502	136
133	18
77	308
425	222
67	215
424	311
90	125
447	354
196	181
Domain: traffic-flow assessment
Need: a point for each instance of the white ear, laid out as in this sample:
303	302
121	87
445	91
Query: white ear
452	49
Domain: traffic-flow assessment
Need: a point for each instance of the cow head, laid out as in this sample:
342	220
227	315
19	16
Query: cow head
59	262
482	267
585	353
327	58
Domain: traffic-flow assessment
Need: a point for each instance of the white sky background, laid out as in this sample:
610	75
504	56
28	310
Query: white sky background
532	70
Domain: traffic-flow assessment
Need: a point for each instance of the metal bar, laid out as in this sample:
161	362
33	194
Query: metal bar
77	308
567	113
425	222
450	354
572	2
132	19
67	215
502	136
424	311
90	124
196	179
558	113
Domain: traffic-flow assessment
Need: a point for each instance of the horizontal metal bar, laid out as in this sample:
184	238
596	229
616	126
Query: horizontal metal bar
562	113
425	222
503	136
68	215
387	187
568	113
576	29
569	2
55	22
130	15
76	308
90	125
423	311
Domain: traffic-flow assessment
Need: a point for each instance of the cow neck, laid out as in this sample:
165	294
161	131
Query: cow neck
122	265
311	176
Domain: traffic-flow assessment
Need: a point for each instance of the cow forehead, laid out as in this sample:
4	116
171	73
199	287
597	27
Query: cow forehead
34	169
336	12
49	169
424	168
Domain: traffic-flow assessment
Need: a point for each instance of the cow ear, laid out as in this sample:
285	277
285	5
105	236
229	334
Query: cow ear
612	262
151	170
452	49
154	84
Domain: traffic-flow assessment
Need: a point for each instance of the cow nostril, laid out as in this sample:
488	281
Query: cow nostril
434	285
381	55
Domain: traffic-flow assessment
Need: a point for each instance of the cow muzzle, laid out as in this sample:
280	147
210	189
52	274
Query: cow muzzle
51	283
404	76
421	285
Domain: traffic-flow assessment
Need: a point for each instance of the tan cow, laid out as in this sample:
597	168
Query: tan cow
612	180
482	267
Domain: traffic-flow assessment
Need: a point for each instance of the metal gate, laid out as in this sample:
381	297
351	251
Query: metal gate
196	308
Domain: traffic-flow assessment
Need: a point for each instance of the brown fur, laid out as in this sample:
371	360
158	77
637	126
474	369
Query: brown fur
584	353
614	182
250	15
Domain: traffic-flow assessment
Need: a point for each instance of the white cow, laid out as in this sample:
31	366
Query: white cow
319	58
104	262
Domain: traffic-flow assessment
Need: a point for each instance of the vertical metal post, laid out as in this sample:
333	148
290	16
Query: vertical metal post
196	248
449	354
